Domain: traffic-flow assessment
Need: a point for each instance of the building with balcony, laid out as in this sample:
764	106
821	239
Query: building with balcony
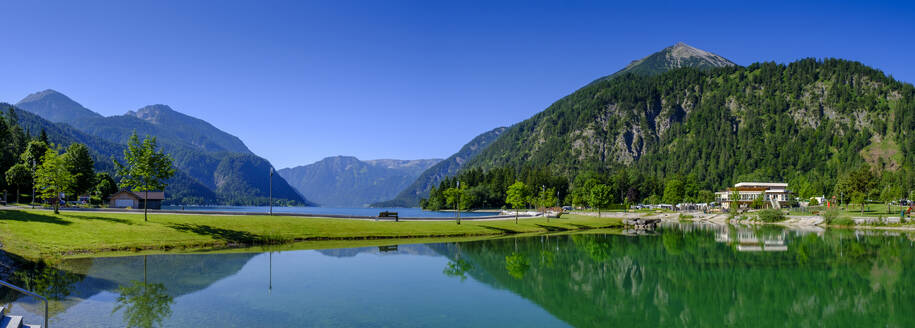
774	194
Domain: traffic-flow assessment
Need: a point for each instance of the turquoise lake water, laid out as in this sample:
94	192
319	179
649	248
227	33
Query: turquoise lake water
680	275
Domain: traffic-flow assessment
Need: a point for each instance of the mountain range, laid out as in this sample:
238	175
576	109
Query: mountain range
345	181
679	112
688	112
676	56
410	196
213	167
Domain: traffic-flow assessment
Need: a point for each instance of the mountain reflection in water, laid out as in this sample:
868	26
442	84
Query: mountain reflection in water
685	275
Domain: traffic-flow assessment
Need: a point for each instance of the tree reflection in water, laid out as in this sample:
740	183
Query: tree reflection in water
47	281
715	276
145	305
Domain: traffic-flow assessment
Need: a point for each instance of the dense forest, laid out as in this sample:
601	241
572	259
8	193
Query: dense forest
811	123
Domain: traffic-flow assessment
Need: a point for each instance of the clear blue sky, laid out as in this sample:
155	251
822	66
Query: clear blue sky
302	80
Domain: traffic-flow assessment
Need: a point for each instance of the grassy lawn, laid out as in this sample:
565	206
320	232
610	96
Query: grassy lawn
37	234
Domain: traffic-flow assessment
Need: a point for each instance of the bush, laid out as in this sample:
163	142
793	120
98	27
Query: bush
830	215
771	215
842	221
685	216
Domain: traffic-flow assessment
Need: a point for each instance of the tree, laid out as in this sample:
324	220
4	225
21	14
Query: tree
705	196
735	202
857	197
546	198
145	168
34	153
860	180
889	194
517	196
17	176
104	186
453	198
52	178
759	202
601	195
32	156
81	166
673	191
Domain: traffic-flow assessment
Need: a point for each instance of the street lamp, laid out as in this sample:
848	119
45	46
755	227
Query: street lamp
458	206
270	191
33	184
543	191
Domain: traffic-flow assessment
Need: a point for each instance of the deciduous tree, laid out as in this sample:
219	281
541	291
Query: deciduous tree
52	178
517	196
145	168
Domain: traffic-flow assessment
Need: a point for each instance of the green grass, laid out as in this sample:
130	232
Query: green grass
35	234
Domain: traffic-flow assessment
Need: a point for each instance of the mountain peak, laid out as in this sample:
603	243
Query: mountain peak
676	56
151	113
55	107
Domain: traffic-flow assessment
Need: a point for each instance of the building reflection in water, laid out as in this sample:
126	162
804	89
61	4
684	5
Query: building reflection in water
749	238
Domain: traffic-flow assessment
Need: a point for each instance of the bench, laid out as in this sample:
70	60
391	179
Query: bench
387	214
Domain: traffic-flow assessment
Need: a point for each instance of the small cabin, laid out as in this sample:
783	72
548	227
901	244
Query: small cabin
137	199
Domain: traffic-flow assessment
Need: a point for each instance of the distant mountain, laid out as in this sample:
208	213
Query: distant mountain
56	107
204	155
180	187
348	181
410	196
194	130
676	56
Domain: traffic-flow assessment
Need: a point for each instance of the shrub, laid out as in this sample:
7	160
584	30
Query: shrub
771	215
842	221
685	216
830	215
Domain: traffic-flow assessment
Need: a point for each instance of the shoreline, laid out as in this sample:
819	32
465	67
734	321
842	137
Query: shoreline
41	235
238	213
799	221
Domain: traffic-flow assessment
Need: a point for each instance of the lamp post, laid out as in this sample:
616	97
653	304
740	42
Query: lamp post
270	191
458	205
33	184
543	191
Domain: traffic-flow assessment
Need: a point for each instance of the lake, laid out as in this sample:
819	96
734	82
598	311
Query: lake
404	212
680	275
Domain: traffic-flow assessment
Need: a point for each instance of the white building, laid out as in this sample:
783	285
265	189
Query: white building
775	194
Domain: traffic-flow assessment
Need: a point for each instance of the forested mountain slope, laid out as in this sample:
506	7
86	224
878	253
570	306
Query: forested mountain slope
181	188
348	181
214	167
420	188
810	119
